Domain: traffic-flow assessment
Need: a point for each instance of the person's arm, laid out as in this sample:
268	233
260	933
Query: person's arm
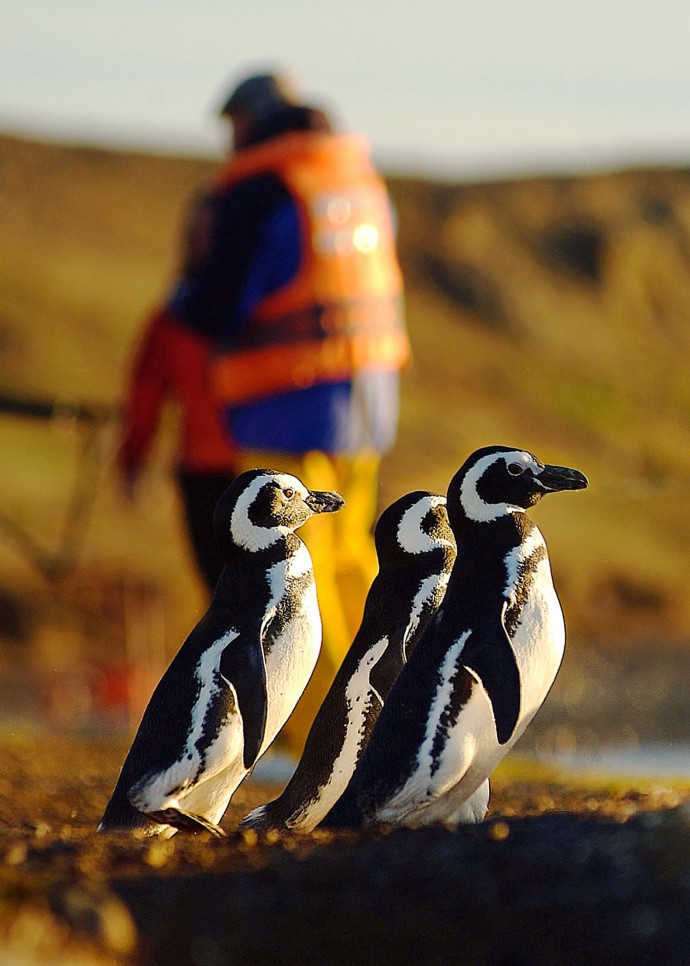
210	298
147	389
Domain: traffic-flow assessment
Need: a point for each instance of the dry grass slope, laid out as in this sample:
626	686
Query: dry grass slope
547	313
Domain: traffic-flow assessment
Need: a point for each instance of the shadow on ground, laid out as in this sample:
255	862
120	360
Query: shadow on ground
563	872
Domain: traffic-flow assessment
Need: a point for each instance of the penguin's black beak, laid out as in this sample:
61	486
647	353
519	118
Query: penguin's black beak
555	478
321	501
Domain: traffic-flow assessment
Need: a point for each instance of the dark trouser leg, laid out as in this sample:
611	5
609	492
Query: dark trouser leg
200	493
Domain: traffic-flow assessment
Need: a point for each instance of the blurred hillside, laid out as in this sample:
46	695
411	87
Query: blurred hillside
550	314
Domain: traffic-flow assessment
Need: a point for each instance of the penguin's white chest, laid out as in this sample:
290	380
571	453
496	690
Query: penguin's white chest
294	648
538	642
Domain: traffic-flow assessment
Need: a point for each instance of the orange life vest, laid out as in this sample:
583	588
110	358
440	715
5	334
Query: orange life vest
342	312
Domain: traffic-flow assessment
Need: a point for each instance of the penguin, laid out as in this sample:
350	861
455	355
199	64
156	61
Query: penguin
485	663
416	549
241	671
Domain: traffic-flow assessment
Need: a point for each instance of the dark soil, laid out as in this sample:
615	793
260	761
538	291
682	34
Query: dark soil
559	873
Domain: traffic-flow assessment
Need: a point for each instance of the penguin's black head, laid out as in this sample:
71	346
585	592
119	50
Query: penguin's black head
260	506
498	480
417	523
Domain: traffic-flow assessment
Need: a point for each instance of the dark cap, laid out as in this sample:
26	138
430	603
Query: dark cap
261	95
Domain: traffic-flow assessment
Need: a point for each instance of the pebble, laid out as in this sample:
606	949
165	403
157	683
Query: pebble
498	831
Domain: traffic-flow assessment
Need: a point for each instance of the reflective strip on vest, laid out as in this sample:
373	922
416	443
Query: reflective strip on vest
253	374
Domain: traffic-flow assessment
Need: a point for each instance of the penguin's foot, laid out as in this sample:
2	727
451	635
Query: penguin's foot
186	821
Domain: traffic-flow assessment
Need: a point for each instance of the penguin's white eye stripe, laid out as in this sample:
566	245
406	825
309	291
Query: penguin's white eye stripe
515	469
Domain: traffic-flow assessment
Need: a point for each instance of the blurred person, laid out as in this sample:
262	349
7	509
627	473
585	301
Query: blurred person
296	283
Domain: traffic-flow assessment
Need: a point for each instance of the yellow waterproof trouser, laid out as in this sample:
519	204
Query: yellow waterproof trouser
344	556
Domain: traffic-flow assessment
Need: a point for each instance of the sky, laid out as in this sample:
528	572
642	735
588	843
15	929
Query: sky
442	88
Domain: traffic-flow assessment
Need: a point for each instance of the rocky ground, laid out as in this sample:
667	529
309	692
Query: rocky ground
560	873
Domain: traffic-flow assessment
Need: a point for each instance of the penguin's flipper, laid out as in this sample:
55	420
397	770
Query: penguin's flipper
489	653
186	821
405	648
385	671
243	665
